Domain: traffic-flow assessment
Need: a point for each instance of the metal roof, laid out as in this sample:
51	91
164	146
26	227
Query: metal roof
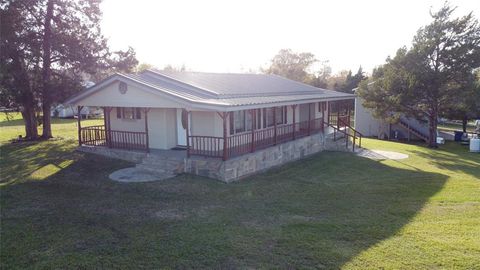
225	89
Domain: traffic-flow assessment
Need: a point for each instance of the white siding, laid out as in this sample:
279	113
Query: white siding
161	127
110	96
365	123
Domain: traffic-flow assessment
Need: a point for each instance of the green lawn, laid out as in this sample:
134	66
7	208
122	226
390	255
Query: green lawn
454	126
333	210
63	128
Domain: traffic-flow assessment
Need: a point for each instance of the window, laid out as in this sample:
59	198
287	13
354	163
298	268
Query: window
129	113
322	106
259	118
268	117
241	121
280	116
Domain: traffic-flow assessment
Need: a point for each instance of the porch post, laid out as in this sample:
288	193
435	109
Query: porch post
79	109
225	144
106	124
145	110
188	134
274	125
348	113
294	108
254	121
328	114
338	116
109	127
309	117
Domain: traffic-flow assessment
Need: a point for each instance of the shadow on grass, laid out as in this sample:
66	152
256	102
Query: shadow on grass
20	161
316	213
467	162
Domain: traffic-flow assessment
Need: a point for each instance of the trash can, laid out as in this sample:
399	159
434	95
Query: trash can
475	145
458	135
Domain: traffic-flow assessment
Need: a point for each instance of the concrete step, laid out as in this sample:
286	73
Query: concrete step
162	162
155	170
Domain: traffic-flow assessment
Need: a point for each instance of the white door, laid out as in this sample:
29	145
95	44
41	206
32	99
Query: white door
181	131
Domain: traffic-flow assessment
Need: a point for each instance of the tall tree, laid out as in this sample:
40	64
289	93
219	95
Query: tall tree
294	66
62	47
423	81
345	81
321	76
20	55
466	106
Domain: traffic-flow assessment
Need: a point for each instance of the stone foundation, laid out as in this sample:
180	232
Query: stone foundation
132	156
232	169
252	163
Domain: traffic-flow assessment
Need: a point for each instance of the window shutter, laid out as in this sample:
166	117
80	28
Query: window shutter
119	112
138	113
259	118
264	118
285	114
231	123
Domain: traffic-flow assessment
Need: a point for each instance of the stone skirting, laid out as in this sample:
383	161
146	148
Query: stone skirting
252	163
132	156
232	169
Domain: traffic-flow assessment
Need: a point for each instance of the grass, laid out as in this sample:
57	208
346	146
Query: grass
333	210
62	128
456	126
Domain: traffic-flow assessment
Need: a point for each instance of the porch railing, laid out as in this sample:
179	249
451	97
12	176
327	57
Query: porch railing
348	132
339	120
98	136
93	135
247	142
208	146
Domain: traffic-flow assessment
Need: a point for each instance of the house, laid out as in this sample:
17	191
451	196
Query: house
370	126
62	111
223	126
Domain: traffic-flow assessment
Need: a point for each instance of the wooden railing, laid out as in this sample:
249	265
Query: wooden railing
251	141
339	120
128	140
413	130
93	135
98	136
348	131
208	146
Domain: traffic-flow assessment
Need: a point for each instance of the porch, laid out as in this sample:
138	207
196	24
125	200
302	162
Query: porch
260	132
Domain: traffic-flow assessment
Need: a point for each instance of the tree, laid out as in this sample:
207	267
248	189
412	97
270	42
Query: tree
425	80
294	66
170	68
19	58
344	81
466	106
61	46
143	66
352	82
320	78
337	81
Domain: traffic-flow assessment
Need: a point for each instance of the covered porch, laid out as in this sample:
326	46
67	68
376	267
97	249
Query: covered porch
239	132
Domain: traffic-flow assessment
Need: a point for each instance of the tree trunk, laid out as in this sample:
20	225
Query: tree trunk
46	72
464	123
30	119
432	131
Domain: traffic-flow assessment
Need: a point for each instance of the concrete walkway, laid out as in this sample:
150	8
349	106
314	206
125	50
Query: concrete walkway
135	175
380	154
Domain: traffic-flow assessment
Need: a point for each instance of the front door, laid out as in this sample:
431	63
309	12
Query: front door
181	127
